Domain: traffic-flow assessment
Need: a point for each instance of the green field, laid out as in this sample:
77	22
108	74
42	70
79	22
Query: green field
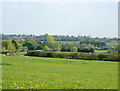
70	42
112	43
20	72
101	51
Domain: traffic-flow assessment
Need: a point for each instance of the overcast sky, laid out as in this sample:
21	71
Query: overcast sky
97	19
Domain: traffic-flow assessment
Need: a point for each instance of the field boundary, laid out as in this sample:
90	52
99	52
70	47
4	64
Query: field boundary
75	55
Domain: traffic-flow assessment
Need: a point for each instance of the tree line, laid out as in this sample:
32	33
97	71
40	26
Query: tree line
56	37
50	43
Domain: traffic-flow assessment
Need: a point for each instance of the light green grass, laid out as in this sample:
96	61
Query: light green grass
51	73
101	51
112	43
70	42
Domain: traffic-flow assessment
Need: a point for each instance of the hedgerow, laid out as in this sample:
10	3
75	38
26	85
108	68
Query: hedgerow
75	55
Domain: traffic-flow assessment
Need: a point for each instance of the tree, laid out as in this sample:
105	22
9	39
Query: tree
15	44
119	48
5	44
33	42
52	44
115	49
86	48
74	49
19	47
11	48
21	41
28	44
83	46
46	48
56	46
39	45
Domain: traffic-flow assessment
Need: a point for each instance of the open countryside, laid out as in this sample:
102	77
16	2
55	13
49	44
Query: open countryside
51	64
21	72
59	45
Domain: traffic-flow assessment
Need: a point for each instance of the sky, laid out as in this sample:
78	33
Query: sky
96	19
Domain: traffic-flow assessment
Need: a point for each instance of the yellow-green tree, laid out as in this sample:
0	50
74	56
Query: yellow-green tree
11	48
56	46
46	48
52	44
74	49
19	47
33	42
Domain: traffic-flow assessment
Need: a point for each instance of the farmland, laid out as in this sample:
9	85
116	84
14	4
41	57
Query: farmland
59	45
23	72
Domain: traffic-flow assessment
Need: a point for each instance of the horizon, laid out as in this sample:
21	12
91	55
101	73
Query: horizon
95	19
57	35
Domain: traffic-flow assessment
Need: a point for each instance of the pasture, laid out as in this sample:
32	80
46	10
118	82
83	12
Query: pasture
101	51
23	72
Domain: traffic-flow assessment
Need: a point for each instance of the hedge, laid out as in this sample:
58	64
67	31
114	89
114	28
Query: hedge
73	55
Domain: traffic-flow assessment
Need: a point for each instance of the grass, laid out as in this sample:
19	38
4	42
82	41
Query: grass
101	51
20	72
70	42
112	43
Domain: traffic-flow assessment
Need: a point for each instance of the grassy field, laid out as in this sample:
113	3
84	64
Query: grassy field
70	42
112	43
21	72
101	51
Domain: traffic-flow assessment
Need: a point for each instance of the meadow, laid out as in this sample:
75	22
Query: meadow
101	51
24	72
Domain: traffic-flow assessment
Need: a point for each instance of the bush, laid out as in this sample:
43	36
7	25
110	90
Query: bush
89	56
113	57
103	57
49	54
71	55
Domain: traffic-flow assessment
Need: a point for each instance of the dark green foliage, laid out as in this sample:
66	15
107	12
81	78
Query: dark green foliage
60	38
15	44
103	57
5	43
113	57
91	50
66	43
89	56
94	42
10	46
66	47
88	48
71	55
49	54
33	42
39	46
28	44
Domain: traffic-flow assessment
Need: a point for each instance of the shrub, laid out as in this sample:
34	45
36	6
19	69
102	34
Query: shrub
103	57
113	57
49	54
89	56
73	55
